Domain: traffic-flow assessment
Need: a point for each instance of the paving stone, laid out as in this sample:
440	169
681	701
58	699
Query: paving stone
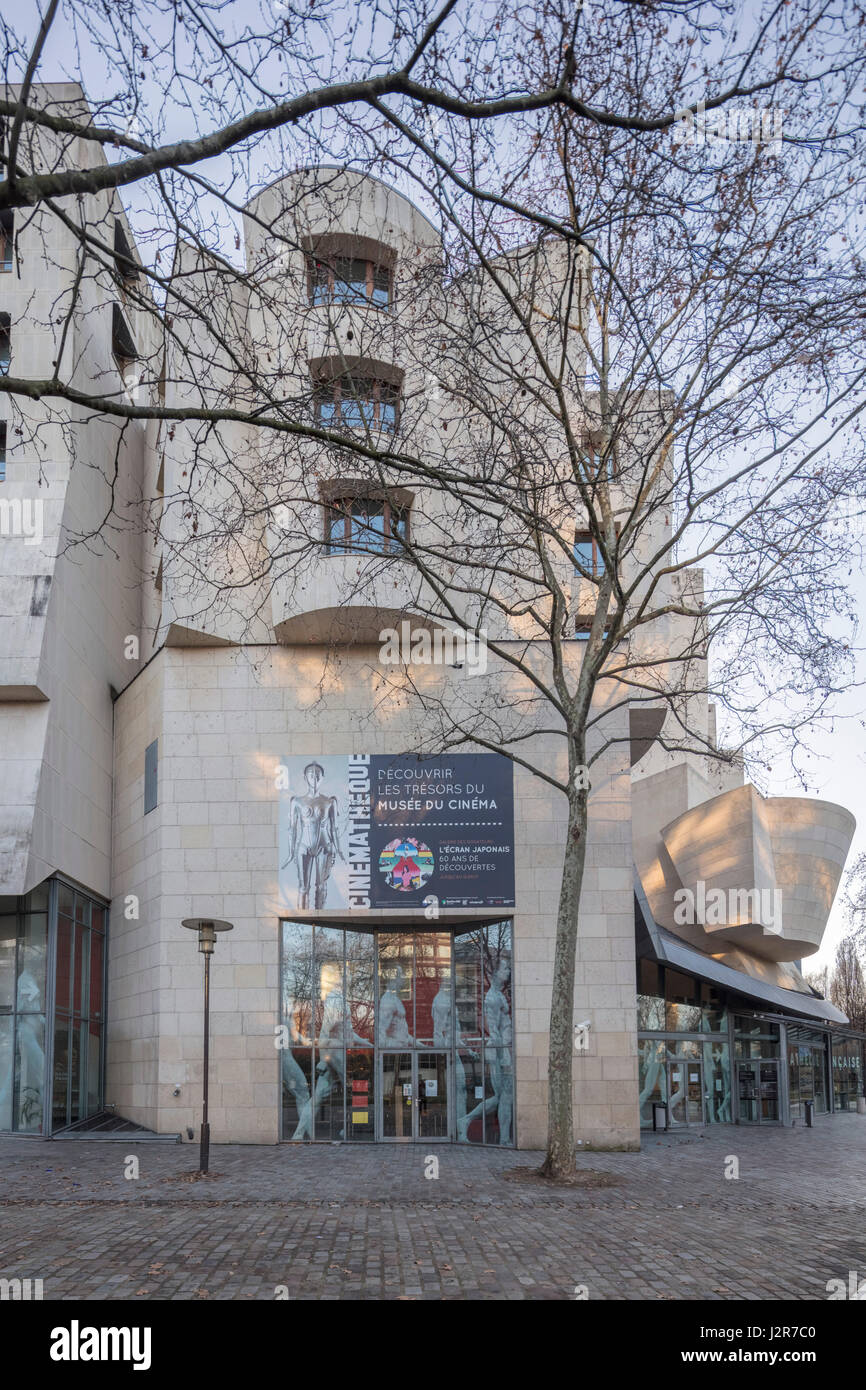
362	1222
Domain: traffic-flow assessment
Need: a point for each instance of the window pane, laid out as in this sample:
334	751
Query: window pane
584	554
97	917
330	1003
360	1097
469	1097
6	1025
468	988
650	1004
319	283
94	1068
64	964
368	525
717	1079
297	1109
381	286
433	989
350	280
61	1071
399	527
328	1093
29	1072
96	975
682	993
297	981
82	970
652	1079
396	999
360	984
8	938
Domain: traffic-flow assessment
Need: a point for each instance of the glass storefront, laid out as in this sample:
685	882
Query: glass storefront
397	1035
56	925
807	1070
847	1070
691	1077
708	1064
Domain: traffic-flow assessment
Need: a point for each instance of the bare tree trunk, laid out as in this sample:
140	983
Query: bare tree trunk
559	1160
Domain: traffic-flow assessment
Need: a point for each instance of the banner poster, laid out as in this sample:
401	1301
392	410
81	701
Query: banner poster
370	830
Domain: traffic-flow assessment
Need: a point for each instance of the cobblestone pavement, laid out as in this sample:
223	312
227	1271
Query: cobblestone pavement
364	1222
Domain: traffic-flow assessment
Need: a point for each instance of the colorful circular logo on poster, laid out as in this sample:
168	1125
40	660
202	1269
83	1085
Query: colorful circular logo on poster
406	865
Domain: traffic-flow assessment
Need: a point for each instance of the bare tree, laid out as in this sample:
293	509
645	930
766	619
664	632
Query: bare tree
634	357
847	986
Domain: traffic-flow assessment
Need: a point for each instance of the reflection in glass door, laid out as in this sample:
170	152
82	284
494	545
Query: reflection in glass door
431	1089
758	1092
397	1095
414	1095
686	1092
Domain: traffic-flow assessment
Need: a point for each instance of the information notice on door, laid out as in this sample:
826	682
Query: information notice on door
370	830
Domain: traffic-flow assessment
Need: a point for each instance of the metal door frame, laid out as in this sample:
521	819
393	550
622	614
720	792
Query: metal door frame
414	1053
685	1062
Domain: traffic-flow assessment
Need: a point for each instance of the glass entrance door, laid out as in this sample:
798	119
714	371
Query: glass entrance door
686	1092
758	1091
414	1090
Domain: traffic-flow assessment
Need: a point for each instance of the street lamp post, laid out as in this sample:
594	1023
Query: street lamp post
207	928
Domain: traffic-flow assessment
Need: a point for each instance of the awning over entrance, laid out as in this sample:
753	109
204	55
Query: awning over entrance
662	945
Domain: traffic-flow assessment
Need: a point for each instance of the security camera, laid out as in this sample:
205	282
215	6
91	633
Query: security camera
176	1091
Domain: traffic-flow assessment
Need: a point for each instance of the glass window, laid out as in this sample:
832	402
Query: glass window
350	280
297	1070
360	1095
5	343
652	1079
586	557
717	1080
361	983
433	989
7	241
365	526
682	1003
396	990
7	1033
329	1002
650	999
356	403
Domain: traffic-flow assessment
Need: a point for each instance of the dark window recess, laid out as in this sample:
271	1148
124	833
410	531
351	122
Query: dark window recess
124	261
356	403
2	451
351	280
150	776
122	343
7	238
365	525
39	595
5	343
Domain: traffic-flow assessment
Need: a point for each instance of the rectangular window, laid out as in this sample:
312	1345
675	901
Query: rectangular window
5	343
587	560
7	238
356	403
150	776
350	280
2	451
365	525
